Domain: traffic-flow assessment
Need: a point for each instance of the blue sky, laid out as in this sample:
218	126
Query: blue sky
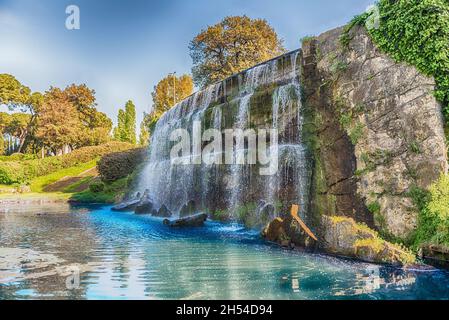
125	47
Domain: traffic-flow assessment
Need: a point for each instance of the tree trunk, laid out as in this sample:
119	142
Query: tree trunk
22	138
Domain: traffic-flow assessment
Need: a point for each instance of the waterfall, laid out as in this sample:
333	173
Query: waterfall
267	96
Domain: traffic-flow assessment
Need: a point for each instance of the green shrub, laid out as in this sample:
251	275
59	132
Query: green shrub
23	171
112	192
433	224
18	157
307	39
96	187
118	165
356	133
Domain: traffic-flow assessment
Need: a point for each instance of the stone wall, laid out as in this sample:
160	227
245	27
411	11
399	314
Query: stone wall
375	129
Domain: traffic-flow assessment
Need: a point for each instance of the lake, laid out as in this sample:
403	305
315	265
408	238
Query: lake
55	251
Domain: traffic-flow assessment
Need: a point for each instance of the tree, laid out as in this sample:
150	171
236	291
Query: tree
19	97
14	126
231	46
130	122
13	93
169	91
119	131
126	124
5	120
92	127
144	136
147	127
58	122
96	126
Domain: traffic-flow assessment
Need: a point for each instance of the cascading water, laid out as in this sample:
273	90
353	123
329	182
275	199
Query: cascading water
267	96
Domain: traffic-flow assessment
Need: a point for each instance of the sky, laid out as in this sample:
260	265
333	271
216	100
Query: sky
124	47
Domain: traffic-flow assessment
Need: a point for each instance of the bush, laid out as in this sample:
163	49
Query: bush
118	165
433	224
96	187
23	171
19	157
112	192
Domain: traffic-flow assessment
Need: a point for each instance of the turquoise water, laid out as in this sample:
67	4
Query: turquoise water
124	256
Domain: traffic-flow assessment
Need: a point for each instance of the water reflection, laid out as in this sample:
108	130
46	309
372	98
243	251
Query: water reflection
126	256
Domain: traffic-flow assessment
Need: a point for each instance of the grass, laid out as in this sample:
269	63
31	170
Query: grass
111	193
38	184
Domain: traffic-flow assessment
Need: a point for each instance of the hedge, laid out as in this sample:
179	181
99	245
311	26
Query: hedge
118	165
21	172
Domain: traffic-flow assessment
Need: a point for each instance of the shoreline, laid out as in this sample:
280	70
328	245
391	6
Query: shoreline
43	198
64	198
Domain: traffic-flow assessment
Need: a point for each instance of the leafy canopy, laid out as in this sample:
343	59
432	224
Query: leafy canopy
169	91
53	119
233	45
17	96
69	117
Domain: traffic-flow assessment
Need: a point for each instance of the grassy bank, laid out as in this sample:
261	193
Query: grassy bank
76	177
39	184
24	171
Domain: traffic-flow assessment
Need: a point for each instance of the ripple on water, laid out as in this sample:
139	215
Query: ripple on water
122	255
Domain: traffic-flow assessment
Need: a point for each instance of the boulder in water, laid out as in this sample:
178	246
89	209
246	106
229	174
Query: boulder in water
126	206
196	220
144	207
187	209
163	212
129	205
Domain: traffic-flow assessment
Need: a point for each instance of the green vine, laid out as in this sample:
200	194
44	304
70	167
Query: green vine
416	32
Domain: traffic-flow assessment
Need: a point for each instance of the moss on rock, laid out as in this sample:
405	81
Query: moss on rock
343	236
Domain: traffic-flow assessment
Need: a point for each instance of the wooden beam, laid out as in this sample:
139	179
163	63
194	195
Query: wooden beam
294	213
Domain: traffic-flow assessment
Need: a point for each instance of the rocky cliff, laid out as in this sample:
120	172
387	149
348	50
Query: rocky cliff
375	129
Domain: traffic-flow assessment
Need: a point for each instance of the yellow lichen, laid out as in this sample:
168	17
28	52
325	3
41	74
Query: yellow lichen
370	239
340	219
375	244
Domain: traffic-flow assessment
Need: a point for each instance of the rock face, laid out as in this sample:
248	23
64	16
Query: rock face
164	212
340	236
375	129
145	205
437	255
344	237
187	209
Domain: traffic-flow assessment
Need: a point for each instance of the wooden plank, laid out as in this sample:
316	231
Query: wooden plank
294	213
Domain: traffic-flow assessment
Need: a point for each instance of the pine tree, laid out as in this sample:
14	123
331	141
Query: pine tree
130	122
126	124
